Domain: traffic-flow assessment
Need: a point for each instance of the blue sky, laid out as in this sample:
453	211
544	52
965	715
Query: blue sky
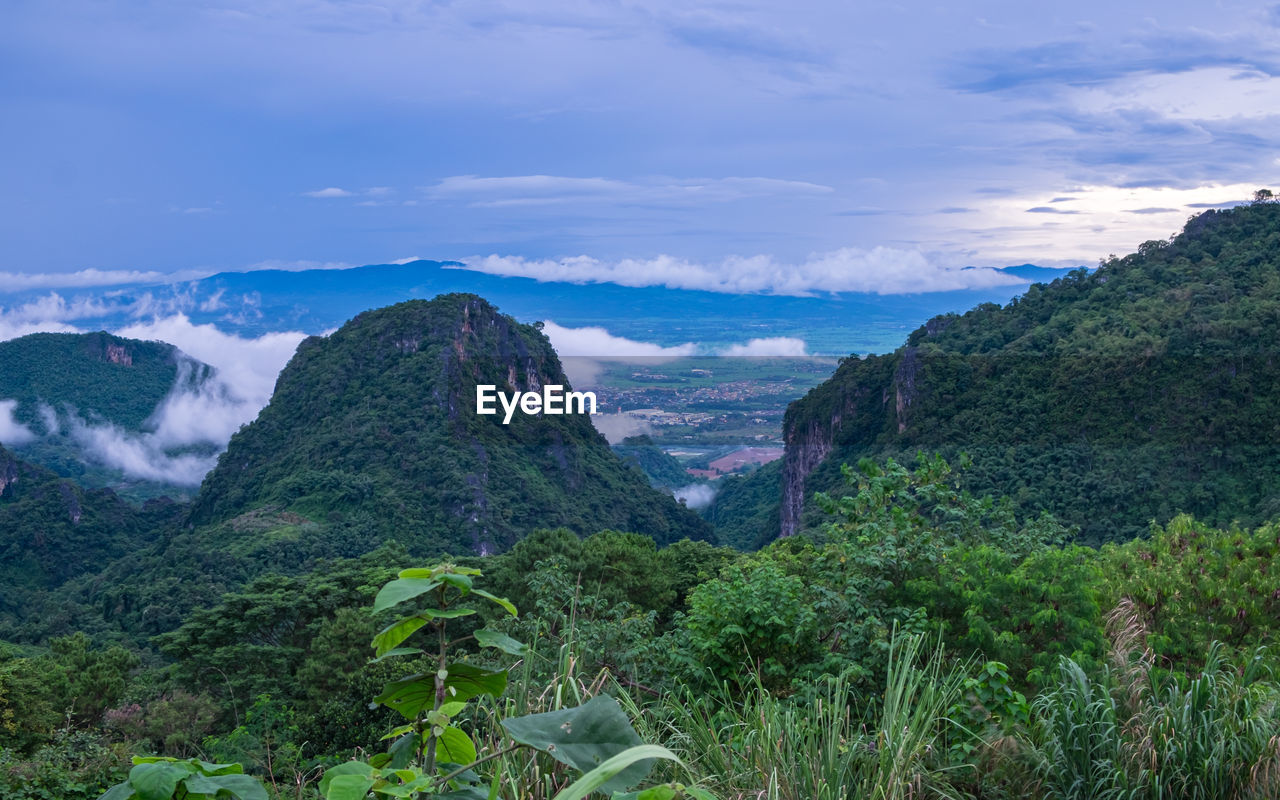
803	145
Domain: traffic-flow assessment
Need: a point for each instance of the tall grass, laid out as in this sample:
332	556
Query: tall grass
770	748
1132	732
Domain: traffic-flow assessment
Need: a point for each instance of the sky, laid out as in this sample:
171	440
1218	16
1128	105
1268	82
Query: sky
758	144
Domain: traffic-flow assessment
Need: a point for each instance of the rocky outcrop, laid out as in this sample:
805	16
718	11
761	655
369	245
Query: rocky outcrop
8	471
853	407
119	354
904	386
805	449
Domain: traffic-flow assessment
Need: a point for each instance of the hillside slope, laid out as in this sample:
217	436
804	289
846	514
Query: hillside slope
374	428
1147	387
61	388
52	531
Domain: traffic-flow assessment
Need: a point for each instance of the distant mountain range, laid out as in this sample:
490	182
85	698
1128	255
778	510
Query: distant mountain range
315	301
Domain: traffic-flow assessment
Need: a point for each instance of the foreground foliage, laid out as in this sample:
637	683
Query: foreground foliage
925	643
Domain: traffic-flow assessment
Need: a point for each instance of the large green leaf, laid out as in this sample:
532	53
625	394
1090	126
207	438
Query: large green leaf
417	693
411	788
460	582
395	633
398	651
402	751
502	601
349	787
584	738
455	747
157	780
503	642
241	787
466	681
345	768
121	791
432	572
219	769
402	589
611	770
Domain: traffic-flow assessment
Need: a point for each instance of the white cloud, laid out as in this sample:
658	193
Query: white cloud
12	432
247	368
696	495
140	456
784	346
332	191
50	419
1204	94
20	281
53	308
582	352
1103	220
880	270
595	342
202	416
206	414
616	427
213	302
13	328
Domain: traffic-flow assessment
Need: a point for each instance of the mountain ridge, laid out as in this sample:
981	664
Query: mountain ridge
1110	398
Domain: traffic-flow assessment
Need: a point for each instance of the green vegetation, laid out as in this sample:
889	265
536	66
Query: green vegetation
97	375
916	639
1140	390
52	530
63	380
924	643
662	470
373	428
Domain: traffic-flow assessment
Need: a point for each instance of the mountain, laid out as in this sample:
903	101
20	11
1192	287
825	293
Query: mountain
318	300
1112	398
374	427
95	376
67	395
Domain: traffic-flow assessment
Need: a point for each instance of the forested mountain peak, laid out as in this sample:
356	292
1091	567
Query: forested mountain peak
1110	397
1199	287
97	375
373	427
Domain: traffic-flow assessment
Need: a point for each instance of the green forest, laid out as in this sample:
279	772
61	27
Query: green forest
1136	391
1036	560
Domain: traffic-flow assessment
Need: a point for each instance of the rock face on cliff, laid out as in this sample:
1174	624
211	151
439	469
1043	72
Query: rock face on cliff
374	427
1147	387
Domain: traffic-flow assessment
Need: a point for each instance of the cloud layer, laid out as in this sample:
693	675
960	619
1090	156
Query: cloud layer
11	431
880	270
193	423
